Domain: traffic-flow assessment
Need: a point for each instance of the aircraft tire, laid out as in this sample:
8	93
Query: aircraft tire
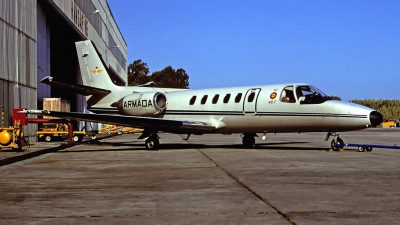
369	149
248	141
361	148
338	141
152	143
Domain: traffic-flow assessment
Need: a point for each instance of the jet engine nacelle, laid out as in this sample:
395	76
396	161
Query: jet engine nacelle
143	104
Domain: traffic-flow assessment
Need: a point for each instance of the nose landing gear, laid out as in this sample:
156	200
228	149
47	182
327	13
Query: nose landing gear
337	143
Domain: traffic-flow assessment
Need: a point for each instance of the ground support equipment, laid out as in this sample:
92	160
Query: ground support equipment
367	147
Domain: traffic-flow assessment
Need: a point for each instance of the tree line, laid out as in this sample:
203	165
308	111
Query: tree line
390	109
138	74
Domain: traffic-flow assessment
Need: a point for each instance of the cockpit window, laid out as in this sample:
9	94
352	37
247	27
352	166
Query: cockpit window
287	95
308	94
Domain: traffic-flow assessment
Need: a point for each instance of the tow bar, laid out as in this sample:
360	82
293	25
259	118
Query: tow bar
367	147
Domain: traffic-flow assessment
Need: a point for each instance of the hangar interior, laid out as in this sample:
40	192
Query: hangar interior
38	40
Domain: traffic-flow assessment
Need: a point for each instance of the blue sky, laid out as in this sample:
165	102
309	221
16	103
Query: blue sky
348	48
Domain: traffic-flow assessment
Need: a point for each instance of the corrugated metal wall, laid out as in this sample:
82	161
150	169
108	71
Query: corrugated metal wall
99	27
18	59
24	28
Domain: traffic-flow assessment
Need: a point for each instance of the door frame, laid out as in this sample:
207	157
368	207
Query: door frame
250	108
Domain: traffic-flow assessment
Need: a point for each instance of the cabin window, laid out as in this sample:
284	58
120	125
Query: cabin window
238	97
215	99
226	98
287	95
204	99
192	100
251	97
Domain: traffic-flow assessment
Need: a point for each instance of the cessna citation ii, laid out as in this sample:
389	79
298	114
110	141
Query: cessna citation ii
246	110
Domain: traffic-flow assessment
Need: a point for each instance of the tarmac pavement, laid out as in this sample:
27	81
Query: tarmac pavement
210	179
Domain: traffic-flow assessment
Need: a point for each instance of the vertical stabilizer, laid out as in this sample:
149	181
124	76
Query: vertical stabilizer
93	69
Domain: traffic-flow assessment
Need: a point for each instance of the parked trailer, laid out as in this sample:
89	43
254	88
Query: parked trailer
61	135
367	147
58	132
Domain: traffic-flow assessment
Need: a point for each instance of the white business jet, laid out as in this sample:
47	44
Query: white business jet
248	110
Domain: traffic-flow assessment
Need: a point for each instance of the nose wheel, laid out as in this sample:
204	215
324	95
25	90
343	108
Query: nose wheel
337	143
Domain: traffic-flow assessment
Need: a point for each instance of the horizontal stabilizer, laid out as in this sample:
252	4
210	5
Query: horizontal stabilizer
78	88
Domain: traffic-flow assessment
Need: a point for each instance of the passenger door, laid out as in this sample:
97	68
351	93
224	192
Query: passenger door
250	101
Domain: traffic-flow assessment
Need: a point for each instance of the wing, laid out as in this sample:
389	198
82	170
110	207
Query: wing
159	124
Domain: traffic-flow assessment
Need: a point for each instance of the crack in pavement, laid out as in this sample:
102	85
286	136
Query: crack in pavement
286	217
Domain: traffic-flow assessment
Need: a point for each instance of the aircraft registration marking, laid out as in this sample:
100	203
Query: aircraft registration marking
137	103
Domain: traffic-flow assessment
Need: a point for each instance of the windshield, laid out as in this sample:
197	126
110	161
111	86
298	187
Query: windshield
308	94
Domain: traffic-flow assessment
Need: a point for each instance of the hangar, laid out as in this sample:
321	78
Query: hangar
38	40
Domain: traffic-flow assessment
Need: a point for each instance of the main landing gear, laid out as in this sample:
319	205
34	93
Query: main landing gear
248	140
337	143
152	142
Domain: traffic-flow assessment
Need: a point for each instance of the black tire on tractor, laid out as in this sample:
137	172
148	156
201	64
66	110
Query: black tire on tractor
75	138
48	138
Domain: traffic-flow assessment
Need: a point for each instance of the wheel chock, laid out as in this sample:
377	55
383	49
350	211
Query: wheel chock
340	150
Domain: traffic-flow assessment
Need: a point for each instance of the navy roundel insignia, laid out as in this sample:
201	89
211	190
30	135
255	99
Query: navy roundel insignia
272	95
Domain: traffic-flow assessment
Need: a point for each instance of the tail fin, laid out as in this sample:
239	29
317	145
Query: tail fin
93	69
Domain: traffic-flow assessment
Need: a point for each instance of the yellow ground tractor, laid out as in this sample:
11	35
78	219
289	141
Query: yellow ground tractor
390	123
59	132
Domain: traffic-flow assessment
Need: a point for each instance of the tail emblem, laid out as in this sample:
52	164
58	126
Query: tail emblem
97	70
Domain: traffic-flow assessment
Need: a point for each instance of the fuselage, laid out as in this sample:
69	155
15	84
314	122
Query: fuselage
266	108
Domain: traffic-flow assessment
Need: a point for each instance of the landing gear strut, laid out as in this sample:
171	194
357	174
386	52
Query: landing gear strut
337	143
152	143
248	140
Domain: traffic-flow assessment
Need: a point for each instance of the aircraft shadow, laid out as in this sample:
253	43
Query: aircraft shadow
139	146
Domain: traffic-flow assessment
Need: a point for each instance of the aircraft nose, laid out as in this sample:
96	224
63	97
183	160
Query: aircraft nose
375	118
